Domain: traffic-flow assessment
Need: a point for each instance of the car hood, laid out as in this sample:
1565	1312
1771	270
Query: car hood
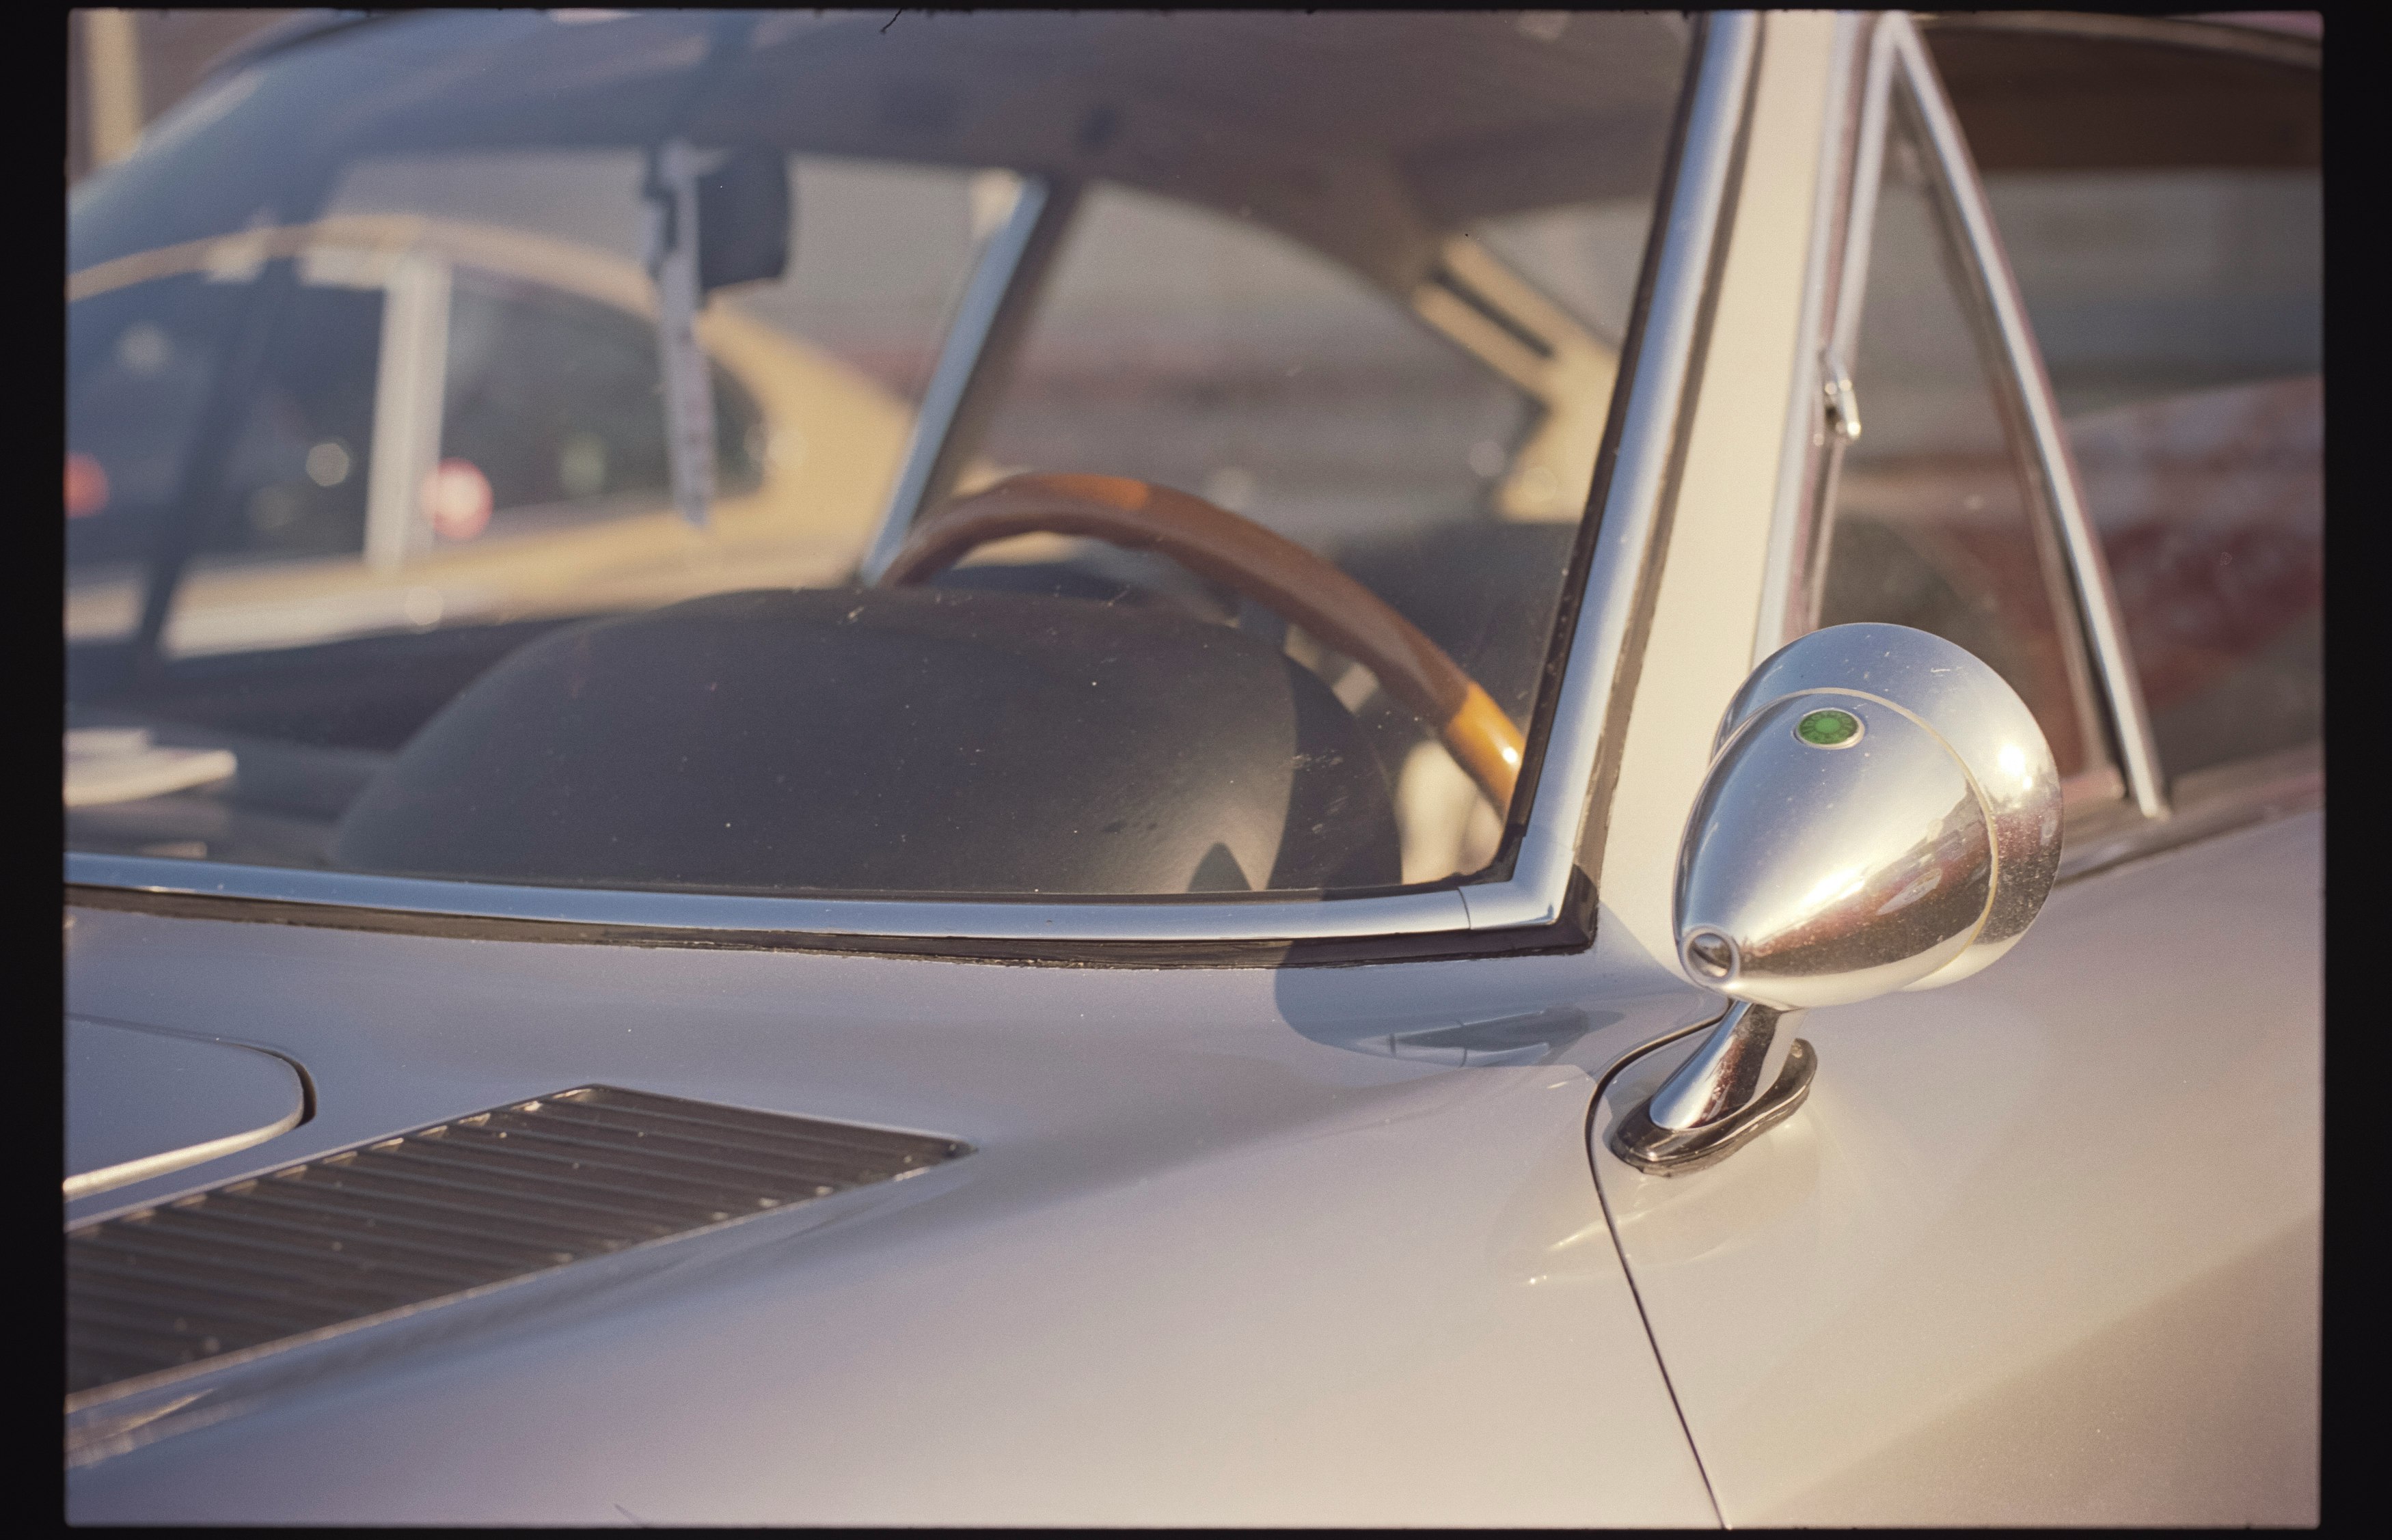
1228	1245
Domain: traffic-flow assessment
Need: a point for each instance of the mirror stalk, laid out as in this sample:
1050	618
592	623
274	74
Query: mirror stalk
1740	1060
1750	1075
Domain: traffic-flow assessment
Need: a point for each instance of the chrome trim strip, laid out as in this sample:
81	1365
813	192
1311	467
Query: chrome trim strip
1539	884
1631	514
1802	497
2207	803
1167	919
2097	600
995	300
128	1172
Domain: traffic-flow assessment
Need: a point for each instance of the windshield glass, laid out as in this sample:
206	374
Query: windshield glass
1003	454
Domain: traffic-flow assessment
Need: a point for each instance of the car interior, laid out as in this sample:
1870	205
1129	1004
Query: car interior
1095	719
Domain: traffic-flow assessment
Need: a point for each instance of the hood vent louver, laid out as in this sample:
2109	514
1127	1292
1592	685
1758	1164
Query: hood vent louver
457	1206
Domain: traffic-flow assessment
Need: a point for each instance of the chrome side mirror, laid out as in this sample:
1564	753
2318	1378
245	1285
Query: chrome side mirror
1881	814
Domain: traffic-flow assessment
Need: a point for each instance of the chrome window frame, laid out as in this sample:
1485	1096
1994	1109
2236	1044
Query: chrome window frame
1810	454
1801	524
2217	800
1560	767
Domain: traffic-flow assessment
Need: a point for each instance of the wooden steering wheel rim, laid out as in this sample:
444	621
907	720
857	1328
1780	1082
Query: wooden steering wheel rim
1273	571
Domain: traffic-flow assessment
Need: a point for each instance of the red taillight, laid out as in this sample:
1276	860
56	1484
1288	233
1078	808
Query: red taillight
87	485
456	500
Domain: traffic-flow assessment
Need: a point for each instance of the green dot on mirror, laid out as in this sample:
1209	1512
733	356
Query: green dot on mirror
1829	728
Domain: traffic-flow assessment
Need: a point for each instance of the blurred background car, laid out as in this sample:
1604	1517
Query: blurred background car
460	421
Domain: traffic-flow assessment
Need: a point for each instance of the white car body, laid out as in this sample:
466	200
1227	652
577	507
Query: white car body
1243	1244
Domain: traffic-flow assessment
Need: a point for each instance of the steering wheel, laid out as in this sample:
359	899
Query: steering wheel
1275	572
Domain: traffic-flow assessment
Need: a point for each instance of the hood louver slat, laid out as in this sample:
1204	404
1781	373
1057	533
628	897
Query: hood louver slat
456	1207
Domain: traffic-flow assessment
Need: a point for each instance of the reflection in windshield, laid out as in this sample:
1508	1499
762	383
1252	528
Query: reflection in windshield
368	491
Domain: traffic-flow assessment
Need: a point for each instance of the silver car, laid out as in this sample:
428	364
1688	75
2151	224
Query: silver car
1566	772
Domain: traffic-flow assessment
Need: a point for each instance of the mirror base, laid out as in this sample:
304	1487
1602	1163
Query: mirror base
1672	1152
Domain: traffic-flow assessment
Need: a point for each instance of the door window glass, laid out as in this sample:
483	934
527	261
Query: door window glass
2162	211
1938	521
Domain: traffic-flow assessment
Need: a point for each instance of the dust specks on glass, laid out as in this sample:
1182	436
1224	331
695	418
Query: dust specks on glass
1360	281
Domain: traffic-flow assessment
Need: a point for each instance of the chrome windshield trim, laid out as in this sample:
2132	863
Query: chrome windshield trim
1588	690
2096	597
1172	919
1631	516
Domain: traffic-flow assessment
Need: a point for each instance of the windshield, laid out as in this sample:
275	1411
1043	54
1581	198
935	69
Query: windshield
1003	454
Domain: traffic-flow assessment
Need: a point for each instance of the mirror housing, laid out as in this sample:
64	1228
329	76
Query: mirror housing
1917	690
1881	814
743	219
